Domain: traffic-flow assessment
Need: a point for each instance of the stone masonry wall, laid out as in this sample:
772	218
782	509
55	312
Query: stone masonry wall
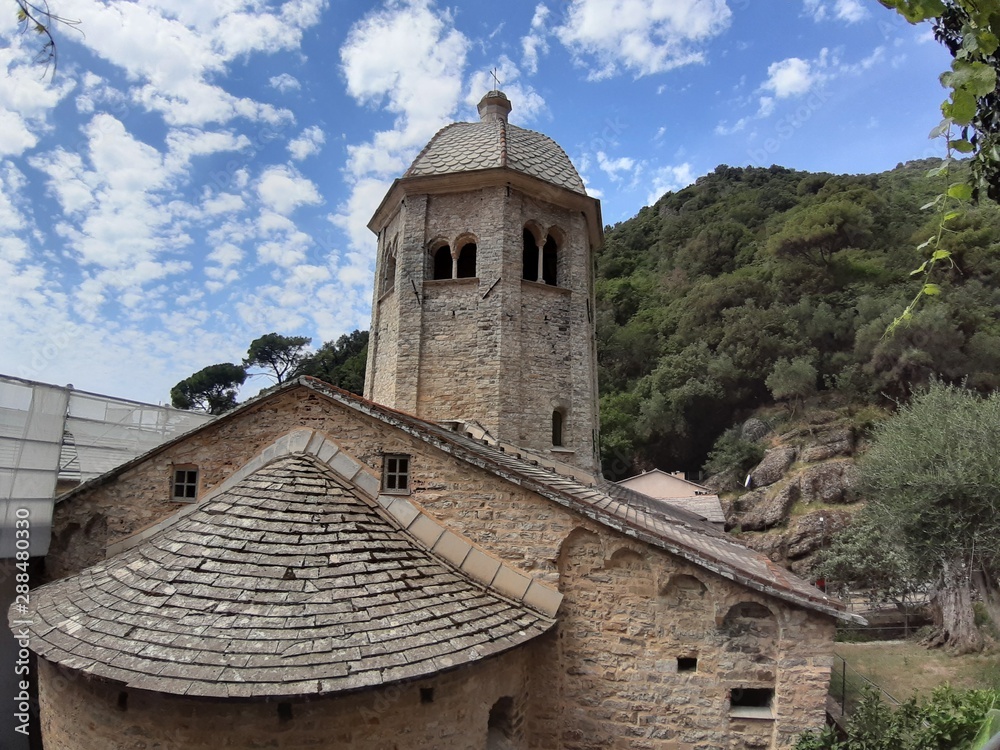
555	364
450	334
495	349
610	678
383	339
449	712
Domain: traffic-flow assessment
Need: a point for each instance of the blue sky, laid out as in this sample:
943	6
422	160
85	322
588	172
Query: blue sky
199	174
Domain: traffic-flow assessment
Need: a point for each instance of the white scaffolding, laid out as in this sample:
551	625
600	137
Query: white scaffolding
52	433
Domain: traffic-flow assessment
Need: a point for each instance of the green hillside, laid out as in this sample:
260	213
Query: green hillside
754	273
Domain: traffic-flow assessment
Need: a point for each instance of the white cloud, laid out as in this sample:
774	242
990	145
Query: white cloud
308	143
535	42
849	11
174	51
790	77
669	178
644	38
724	128
223	203
285	83
283	190
612	167
26	98
527	104
419	83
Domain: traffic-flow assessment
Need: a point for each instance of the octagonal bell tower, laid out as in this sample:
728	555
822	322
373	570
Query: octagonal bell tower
483	308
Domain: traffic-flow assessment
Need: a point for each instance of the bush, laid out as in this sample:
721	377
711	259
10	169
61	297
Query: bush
733	453
949	720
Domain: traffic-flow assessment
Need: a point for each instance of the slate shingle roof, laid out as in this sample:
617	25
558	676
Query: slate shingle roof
289	583
670	528
665	526
472	146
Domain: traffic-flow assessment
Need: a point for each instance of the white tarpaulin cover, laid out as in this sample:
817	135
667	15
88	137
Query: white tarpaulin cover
50	433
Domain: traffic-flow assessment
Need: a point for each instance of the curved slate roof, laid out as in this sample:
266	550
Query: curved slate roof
471	146
289	583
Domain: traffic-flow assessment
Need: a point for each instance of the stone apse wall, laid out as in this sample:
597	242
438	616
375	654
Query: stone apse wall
610	676
480	706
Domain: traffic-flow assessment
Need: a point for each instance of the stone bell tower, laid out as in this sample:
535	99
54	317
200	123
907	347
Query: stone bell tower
484	297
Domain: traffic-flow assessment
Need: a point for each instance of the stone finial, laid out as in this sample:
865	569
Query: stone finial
494	106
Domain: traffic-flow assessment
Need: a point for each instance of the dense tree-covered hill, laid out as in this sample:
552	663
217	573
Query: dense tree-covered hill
755	283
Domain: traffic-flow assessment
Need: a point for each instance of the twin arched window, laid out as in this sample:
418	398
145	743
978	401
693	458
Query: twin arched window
540	263
448	266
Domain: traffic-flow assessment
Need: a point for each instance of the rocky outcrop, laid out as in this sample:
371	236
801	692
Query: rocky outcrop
831	483
773	467
767	507
786	514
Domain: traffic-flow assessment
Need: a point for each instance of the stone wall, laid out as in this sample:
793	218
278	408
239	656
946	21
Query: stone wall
451	331
610	677
449	712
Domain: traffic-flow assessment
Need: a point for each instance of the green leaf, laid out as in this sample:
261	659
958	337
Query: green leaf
941	255
988	42
952	215
918	271
940	129
962	146
915	11
932	290
962	107
961	191
981	80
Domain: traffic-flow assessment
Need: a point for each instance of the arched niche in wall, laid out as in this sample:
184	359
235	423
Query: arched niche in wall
552	249
501	730
579	554
631	572
439	260
466	263
531	235
682	590
389	269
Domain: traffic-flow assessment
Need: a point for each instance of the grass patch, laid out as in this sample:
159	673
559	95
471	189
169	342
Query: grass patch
902	667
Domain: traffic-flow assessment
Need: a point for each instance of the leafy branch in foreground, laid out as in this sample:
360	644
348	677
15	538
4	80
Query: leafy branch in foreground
39	18
970	29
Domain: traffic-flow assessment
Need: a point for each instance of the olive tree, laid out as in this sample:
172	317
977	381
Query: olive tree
932	482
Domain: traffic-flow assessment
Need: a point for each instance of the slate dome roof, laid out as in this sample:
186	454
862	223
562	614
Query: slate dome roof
289	583
492	143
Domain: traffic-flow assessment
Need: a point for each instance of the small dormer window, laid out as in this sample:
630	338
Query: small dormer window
396	474
185	484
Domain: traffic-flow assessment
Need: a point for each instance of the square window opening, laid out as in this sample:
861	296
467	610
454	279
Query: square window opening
687	664
185	485
396	474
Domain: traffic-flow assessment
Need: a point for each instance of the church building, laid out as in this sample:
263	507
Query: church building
440	564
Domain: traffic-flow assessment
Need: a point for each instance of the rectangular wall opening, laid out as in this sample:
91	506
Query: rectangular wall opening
751	703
